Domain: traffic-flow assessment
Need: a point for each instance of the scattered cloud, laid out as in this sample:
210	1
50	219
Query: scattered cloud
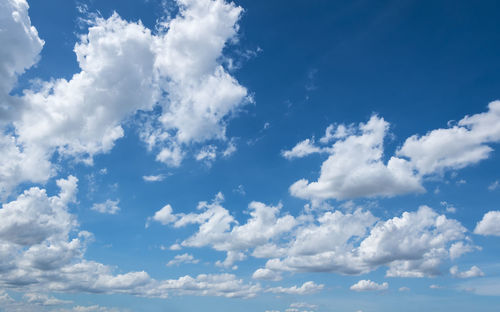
489	225
107	207
306	288
154	178
184	258
474	271
367	285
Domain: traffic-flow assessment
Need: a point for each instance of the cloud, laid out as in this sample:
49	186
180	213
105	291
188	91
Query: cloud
355	168
367	285
44	299
266	274
474	271
404	288
455	147
154	178
302	149
108	207
493	186
306	288
489	225
218	229
125	71
20	54
41	250
184	258
413	245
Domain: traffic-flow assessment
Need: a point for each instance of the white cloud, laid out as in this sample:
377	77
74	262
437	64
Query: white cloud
434	286
404	288
301	305
124	69
413	245
266	274
306	288
367	285
154	178
218	229
41	251
108	207
44	299
21	52
207	153
474	271
455	147
489	225
355	168
493	186
302	149
184	258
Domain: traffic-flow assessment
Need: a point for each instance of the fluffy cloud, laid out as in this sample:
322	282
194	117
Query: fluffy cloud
474	271
124	69
367	285
41	250
184	258
218	229
355	166
413	245
302	149
455	147
21	52
489	225
306	288
266	274
109	207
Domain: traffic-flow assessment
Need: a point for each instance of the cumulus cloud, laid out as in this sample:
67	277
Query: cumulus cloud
455	147
489	225
474	271
107	207
184	258
124	69
413	245
355	166
302	149
21	52
219	230
367	285
41	250
306	288
266	274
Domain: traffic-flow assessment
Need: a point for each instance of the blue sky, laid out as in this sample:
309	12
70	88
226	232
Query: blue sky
205	155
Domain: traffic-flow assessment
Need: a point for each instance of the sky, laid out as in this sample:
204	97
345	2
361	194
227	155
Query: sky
291	156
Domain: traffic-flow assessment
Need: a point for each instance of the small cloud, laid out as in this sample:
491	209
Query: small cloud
154	178
231	148
367	285
184	258
240	190
493	186
474	271
434	286
404	288
449	208
175	247
108	207
103	171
